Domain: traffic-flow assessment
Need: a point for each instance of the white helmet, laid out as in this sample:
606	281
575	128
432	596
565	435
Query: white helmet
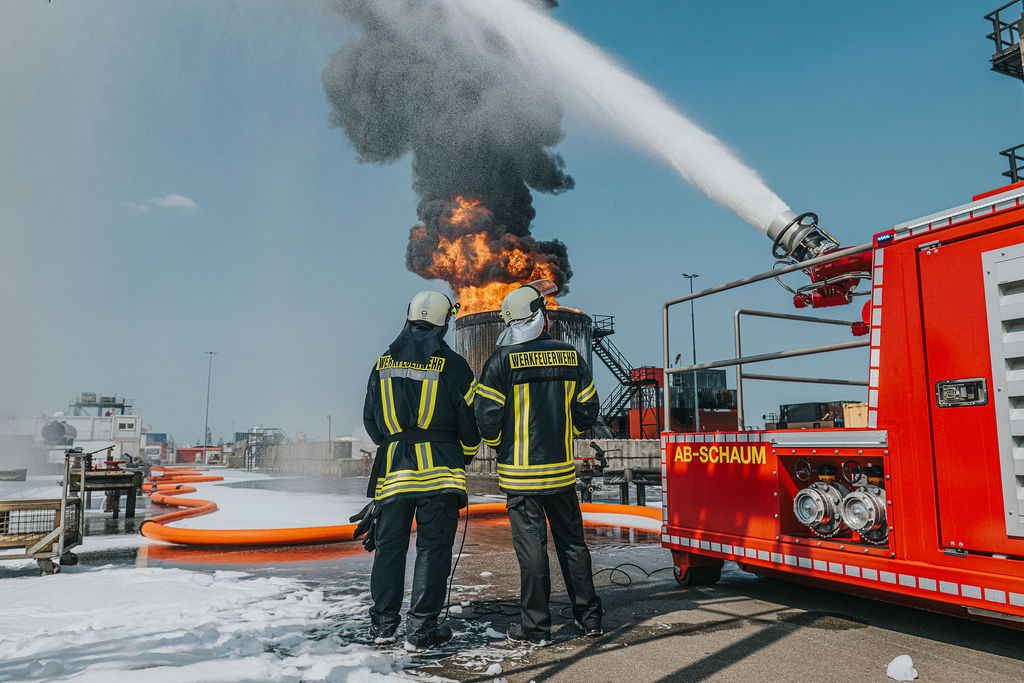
523	312
431	307
520	304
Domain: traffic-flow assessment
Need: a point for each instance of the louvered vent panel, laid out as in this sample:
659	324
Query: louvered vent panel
1004	300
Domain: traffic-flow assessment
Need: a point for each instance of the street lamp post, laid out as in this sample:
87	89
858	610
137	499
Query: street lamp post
206	424
328	431
693	332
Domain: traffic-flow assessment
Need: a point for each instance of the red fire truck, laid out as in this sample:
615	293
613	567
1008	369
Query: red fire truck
926	503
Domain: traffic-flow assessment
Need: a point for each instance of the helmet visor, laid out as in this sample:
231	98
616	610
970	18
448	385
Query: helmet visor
544	287
524	330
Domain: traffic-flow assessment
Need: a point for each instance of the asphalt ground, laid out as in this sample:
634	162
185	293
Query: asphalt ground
744	628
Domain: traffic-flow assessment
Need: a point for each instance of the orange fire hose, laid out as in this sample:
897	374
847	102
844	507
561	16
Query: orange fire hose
155	528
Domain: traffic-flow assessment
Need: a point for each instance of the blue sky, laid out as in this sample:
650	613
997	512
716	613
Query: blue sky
290	264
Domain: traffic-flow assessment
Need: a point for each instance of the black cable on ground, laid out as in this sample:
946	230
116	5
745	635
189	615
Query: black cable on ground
618	569
451	577
510	608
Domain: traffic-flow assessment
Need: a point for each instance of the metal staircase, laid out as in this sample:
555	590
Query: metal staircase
616	404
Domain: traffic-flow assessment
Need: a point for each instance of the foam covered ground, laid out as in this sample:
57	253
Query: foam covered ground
117	624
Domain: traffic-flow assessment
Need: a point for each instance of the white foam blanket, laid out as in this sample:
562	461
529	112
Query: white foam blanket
124	624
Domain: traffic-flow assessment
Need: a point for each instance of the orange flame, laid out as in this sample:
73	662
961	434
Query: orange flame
466	260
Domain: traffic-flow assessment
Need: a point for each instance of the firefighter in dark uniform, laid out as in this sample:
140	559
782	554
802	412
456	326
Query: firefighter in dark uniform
534	397
419	412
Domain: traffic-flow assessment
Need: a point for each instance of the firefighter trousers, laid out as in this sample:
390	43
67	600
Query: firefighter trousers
530	539
437	518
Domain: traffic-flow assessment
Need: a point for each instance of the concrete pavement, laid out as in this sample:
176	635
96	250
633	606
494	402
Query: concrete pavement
743	629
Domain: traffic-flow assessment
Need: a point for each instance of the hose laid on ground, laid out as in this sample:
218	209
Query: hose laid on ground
155	528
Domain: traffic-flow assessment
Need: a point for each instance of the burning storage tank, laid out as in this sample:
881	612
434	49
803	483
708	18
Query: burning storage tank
476	334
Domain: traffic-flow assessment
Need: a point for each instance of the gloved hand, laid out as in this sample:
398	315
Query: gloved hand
367	525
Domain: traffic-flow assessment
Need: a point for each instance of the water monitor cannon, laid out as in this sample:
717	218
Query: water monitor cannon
798	238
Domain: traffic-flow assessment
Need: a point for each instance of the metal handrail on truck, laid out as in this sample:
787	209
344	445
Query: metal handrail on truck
760	358
45	529
740	375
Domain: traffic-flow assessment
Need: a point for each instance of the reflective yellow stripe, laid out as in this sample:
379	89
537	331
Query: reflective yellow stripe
417	487
424	477
587	393
432	402
471	394
385	385
521	445
424	397
420	462
433	479
387	397
440	486
570	390
470	450
517	444
537	484
387	468
490	393
536	477
493	443
428	399
526	424
430	457
536	470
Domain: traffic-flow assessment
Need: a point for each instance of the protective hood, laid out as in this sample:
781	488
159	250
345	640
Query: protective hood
417	342
519	331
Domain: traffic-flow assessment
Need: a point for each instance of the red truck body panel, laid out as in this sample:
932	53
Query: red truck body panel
948	492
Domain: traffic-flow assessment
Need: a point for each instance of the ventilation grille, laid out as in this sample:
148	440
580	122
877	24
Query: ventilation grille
1011	314
1004	295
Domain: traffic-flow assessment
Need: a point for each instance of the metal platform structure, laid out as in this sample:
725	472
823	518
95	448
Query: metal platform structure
1007	22
1015	155
636	390
257	442
1008	58
89	403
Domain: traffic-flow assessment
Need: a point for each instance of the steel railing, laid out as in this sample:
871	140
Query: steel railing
740	375
1005	33
1015	155
760	358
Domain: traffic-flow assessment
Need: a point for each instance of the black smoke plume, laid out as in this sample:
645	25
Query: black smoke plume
475	124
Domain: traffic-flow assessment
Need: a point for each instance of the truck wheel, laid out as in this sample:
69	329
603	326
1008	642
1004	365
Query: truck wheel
700	576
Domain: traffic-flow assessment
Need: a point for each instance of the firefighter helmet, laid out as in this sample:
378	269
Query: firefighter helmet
431	307
520	304
524	312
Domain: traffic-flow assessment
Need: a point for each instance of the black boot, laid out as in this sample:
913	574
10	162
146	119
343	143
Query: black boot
383	634
383	627
427	638
516	634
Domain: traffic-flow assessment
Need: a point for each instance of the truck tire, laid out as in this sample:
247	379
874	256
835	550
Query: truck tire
700	576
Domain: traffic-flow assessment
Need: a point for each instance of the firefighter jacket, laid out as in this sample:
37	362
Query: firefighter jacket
421	417
532	400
